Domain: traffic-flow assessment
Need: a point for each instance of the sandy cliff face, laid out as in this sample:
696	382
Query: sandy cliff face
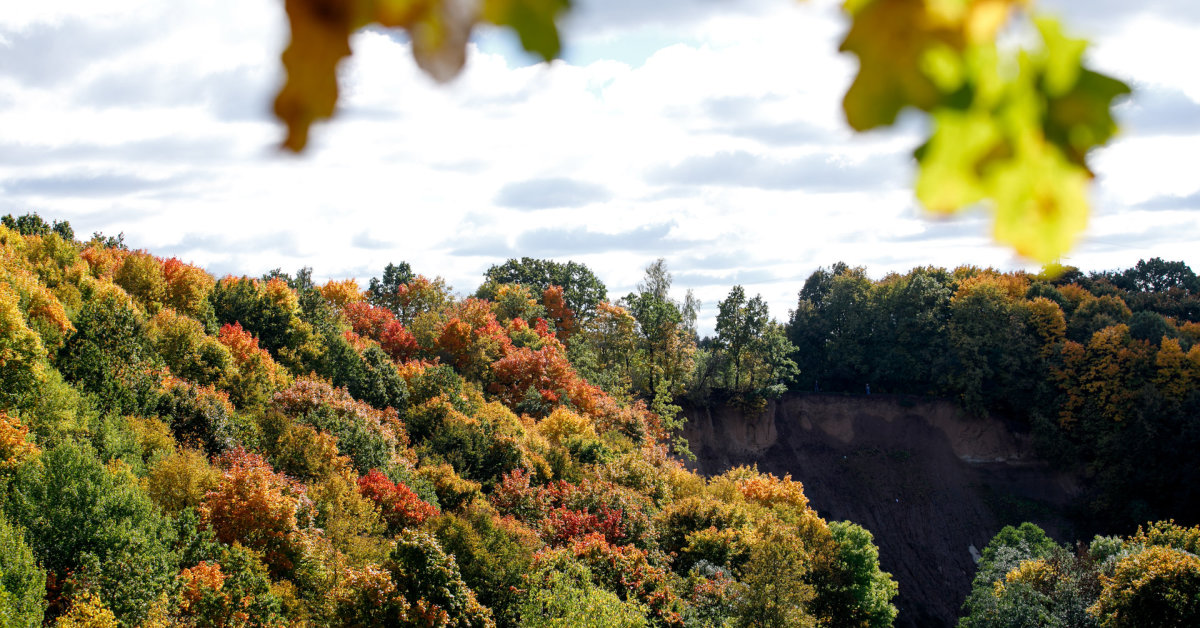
928	481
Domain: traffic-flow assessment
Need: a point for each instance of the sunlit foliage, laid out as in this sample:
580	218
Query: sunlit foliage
187	350
187	288
22	581
255	376
21	352
181	480
431	585
563	593
1148	579
400	506
141	275
88	522
263	452
255	506
372	438
15	444
342	293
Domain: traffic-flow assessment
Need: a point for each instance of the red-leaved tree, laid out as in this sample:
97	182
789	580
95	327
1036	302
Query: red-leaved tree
399	505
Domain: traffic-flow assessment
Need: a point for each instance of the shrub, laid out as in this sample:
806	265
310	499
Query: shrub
854	590
351	522
87	611
181	481
21	351
453	492
15	444
564	511
199	416
187	350
368	597
628	572
255	376
233	591
368	436
494	556
110	355
777	594
187	288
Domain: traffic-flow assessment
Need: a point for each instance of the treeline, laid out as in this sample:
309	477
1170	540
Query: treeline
183	450
1103	367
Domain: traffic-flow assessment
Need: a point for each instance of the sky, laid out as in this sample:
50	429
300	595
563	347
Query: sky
705	132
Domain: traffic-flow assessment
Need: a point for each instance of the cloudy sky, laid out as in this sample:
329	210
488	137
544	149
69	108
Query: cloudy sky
707	132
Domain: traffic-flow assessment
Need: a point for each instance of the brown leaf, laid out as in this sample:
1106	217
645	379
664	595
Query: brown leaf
320	39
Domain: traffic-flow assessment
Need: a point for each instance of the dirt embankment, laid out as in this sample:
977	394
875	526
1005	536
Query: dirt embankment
928	481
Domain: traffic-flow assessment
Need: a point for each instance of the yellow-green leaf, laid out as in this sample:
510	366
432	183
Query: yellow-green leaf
951	163
1041	201
1079	101
1061	58
1017	141
533	20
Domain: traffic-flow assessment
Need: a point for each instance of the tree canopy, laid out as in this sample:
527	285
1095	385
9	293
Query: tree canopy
582	290
266	451
181	450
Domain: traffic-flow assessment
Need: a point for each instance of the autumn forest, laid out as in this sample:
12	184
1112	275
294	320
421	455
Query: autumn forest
179	449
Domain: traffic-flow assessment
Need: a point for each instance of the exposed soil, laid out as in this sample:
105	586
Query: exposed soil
928	481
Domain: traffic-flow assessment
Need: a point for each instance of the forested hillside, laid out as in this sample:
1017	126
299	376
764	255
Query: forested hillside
181	449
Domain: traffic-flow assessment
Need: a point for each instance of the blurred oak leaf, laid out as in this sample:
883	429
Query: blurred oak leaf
439	31
533	20
1079	101
320	39
892	39
440	35
1041	200
1016	137
889	37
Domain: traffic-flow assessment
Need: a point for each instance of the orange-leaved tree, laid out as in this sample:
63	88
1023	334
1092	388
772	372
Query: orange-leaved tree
255	506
